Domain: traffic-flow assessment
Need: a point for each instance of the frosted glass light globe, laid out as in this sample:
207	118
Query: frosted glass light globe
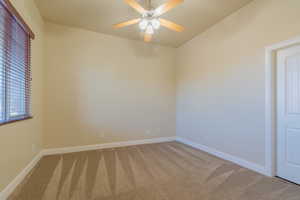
155	23
143	24
150	30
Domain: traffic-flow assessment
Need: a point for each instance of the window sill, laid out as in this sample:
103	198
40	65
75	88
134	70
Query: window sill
16	120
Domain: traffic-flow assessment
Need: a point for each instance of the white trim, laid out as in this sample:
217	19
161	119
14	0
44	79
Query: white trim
105	146
12	186
19	178
244	163
283	44
270	103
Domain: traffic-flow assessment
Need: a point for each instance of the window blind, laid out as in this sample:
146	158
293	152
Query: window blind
15	73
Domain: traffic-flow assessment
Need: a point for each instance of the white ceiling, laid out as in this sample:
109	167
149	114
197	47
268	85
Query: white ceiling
99	15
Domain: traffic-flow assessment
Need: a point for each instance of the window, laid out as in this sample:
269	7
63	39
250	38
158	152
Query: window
15	75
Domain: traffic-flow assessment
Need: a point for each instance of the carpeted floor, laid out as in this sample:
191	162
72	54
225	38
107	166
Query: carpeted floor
166	171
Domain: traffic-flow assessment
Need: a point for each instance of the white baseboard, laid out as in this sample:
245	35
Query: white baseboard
19	178
13	185
105	146
239	161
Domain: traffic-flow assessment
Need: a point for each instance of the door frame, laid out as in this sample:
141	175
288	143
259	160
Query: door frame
270	103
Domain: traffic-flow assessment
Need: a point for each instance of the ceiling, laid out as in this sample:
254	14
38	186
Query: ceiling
99	15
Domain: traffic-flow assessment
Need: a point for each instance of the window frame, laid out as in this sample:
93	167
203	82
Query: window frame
8	119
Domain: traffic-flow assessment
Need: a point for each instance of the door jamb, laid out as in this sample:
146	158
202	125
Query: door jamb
270	103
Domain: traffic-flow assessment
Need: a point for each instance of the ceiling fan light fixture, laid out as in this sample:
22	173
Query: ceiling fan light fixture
150	21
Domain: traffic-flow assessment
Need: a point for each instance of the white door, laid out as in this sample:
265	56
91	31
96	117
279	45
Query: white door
288	114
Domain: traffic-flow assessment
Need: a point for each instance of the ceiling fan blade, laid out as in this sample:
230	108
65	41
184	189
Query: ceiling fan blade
171	25
136	6
166	7
147	37
130	22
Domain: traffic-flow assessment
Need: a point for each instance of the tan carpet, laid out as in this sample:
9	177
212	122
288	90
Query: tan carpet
166	171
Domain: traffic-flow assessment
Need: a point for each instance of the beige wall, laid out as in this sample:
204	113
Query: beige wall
21	141
221	78
101	88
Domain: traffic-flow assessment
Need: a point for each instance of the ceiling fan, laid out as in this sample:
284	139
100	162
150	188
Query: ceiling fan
150	20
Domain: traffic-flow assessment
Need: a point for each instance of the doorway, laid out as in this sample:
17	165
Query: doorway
283	110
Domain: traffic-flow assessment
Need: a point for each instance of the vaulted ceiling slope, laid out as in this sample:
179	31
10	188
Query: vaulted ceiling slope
100	15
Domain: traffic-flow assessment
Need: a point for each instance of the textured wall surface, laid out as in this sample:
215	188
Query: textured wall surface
221	78
103	89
